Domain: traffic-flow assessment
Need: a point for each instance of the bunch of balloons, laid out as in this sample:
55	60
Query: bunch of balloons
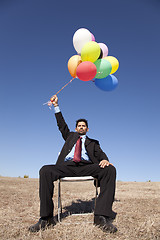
92	61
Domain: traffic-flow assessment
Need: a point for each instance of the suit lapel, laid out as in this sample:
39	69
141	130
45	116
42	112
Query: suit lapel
75	138
87	142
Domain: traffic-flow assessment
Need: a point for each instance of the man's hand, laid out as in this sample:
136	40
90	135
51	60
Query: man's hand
104	163
54	100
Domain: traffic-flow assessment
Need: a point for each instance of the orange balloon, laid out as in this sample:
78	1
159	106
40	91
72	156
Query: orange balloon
73	63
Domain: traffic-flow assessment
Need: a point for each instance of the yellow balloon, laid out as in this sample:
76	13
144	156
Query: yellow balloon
90	52
114	62
73	63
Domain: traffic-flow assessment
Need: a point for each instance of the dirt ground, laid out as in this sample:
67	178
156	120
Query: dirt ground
137	206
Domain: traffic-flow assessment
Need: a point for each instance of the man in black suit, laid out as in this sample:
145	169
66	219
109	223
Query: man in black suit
93	162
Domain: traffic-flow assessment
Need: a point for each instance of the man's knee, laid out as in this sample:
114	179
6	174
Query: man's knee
43	170
111	170
48	171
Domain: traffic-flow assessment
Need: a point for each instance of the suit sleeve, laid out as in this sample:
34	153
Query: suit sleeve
99	154
63	127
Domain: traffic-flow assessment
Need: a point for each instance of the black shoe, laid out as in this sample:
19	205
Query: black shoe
42	224
105	223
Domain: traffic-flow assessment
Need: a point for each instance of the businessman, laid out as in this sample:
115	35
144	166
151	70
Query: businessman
80	156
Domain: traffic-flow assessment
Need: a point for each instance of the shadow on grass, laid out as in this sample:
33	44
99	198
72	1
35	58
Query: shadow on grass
78	207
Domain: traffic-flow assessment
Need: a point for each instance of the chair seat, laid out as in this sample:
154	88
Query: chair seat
73	179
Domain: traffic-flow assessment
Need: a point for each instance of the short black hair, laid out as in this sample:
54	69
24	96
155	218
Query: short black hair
82	120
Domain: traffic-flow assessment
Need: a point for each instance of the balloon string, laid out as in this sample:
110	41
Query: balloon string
65	86
49	103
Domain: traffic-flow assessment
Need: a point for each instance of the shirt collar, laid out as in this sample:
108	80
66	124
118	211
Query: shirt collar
83	136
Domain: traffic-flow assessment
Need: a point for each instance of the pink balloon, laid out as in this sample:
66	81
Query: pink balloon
86	71
104	49
93	38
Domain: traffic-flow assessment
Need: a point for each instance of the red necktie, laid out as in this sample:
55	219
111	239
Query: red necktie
78	149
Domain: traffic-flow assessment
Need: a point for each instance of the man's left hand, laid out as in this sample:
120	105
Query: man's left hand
104	163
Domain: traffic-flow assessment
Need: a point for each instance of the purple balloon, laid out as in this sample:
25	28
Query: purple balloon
104	49
93	38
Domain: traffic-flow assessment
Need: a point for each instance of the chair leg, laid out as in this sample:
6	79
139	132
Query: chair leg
96	192
59	201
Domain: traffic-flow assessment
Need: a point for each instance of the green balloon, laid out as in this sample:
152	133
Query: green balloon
104	68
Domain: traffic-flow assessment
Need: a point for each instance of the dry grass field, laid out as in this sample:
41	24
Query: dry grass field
137	206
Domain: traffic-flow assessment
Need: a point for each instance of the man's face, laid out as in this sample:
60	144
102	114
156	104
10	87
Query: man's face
81	128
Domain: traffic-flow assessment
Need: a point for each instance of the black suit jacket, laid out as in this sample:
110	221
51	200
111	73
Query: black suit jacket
92	146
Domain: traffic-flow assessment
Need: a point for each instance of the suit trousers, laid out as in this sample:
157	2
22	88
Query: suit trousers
106	177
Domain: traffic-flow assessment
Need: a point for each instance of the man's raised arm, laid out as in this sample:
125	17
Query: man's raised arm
60	120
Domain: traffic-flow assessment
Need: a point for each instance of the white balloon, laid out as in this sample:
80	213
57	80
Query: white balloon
80	37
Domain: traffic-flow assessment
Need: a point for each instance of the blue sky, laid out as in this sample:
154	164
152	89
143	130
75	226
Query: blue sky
35	46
